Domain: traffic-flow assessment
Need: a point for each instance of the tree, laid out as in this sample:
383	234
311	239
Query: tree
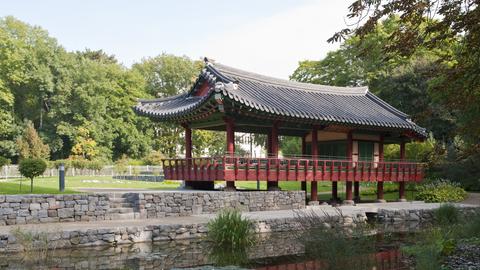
31	168
85	147
401	81
454	85
433	25
168	75
4	161
30	145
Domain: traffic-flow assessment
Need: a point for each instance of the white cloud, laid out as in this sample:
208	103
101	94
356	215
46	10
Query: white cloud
274	45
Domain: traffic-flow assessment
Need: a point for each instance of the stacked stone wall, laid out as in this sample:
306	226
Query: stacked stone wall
31	209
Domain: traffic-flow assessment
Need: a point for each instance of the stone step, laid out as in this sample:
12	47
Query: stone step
118	200
121	205
122	216
120	210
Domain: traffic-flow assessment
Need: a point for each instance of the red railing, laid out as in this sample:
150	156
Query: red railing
289	169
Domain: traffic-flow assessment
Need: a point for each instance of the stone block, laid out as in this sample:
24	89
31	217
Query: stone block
52	213
42	213
65	212
35	206
13	198
23	213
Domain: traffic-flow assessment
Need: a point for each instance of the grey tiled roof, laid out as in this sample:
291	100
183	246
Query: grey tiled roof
325	104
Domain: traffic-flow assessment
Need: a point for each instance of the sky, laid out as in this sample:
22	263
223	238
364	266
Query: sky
264	36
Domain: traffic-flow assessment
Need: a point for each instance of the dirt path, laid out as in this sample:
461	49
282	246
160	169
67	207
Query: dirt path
473	198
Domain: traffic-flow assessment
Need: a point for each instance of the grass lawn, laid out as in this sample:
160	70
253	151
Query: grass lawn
367	190
43	185
49	185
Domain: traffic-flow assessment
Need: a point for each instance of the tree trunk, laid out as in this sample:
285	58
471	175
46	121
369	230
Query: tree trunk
31	185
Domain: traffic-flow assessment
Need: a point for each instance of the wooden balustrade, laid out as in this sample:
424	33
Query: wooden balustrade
289	169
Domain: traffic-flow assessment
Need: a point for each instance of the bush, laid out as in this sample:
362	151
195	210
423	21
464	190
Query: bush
230	230
441	190
95	165
4	161
67	163
154	158
31	168
447	214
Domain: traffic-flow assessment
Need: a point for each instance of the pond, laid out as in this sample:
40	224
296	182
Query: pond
272	251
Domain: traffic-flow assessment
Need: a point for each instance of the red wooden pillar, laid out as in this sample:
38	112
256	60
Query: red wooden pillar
230	126
401	185
273	153
192	180
356	191
348	185
304	152
188	155
380	197
334	191
314	184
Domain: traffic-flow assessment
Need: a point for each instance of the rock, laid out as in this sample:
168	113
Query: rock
35	206
65	212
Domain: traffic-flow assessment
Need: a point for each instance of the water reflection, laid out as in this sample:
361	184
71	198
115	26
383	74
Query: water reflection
272	251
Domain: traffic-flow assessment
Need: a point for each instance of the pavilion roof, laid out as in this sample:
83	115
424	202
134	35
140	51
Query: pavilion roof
281	98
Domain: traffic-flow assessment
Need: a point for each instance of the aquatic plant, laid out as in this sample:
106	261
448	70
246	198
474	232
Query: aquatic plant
230	230
447	214
432	245
36	245
326	238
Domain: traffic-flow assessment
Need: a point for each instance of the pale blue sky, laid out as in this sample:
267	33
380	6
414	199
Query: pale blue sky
268	37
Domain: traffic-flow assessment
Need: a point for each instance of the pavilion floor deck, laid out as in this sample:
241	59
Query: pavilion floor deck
290	169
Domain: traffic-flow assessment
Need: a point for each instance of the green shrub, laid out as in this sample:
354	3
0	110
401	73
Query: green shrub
95	165
79	163
433	244
231	231
471	228
31	168
154	158
67	163
4	161
447	214
441	190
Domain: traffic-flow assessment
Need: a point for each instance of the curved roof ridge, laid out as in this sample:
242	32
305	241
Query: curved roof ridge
222	69
163	99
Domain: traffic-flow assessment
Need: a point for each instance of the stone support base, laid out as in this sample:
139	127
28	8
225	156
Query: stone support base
273	186
200	185
348	202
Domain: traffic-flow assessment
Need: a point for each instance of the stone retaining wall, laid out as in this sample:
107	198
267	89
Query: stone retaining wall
158	205
161	255
30	209
414	215
60	239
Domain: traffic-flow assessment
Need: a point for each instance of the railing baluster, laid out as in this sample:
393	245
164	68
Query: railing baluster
278	169
268	169
324	169
296	169
288	169
306	169
236	167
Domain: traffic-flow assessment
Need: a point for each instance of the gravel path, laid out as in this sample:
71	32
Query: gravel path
473	198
